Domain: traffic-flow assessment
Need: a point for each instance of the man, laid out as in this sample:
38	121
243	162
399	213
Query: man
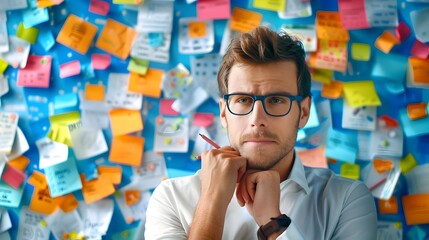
257	188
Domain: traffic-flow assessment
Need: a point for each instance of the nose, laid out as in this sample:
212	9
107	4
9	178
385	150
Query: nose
258	117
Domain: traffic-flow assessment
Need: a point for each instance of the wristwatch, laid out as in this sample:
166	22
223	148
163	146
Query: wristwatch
275	225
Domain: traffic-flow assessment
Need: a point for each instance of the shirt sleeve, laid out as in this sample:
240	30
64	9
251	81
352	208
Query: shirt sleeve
291	233
162	221
358	219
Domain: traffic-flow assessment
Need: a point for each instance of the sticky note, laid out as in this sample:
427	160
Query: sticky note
8	128
386	41
100	61
314	157
46	39
361	51
36	73
11	197
389	206
349	170
148	84
244	20
166	109
94	92
114	173
99	7
12	176
272	5
417	110
77	34
33	16
28	34
419	70
116	38
70	69
407	163
342	145
197	29
328	25
416	208
213	9
19	163
48	3
139	66
3	65
124	121
155	39
60	122
420	50
38	180
331	54
132	196
382	166
322	75
353	14
413	128
68	203
332	90
42	202
361	93
63	178
203	119
127	150
402	31
96	189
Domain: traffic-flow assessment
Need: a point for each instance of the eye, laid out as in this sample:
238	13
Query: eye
276	100
244	99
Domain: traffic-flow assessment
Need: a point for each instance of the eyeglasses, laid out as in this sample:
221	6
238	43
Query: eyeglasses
276	105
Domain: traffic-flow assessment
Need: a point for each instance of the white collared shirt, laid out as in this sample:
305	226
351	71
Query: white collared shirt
322	205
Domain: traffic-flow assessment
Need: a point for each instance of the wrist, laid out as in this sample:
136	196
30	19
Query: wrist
274	227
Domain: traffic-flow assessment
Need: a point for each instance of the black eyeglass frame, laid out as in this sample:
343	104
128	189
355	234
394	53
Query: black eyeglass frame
262	99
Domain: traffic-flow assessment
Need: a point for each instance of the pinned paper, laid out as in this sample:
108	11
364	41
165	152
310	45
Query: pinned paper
37	73
132	197
114	173
63	178
386	41
11	197
143	49
382	13
99	7
176	81
116	38
361	93
18	52
349	170
86	142
148	84
127	150
243	20
132	118
171	134
155	16
213	9
416	208
30	222
96	189
419	19
361	51
77	34
341	145
358	118
8	128
389	206
295	9
417	110
28	34
353	14
94	92
70	69
195	36
51	153
118	96
329	27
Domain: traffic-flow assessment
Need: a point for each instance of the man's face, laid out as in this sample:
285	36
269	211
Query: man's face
263	139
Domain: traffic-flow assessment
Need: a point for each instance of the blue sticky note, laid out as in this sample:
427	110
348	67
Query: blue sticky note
65	101
46	39
91	172
33	16
342	146
155	39
88	71
413	128
313	120
63	178
390	66
9	196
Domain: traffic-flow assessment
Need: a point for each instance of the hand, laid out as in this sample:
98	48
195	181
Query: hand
260	192
221	169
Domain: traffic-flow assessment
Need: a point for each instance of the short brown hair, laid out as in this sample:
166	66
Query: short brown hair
263	45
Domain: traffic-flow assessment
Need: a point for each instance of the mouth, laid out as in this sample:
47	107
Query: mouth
258	141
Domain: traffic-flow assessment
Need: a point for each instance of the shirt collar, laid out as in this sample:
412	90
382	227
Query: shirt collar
297	174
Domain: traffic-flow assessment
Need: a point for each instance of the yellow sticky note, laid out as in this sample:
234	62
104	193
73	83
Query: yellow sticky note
59	131
28	34
116	38
114	173
330	55
124	121
361	51
332	90
322	75
407	163
243	20
148	84
77	34
139	66
127	150
3	65
386	41
128	1
273	5
94	92
197	29
96	189
19	163
48	3
349	170
361	93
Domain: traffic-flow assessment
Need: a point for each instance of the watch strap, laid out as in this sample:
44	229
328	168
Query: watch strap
275	225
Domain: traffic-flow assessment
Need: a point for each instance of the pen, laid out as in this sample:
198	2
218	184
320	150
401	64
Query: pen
209	141
377	184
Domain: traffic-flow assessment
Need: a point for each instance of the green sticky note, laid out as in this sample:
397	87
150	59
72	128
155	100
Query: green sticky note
128	1
349	170
3	65
361	51
28	34
407	163
138	65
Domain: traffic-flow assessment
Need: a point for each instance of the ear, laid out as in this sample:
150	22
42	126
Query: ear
222	108
305	111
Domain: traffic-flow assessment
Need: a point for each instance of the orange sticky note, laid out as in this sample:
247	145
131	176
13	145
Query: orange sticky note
96	189
416	208
123	121
116	38
389	206
243	20
19	163
114	173
148	84
42	202
332	90
77	34
38	180
127	150
314	157
382	165
94	92
417	110
419	69
197	29
68	203
132	196
386	41
329	27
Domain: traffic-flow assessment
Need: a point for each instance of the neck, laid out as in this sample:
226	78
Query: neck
285	168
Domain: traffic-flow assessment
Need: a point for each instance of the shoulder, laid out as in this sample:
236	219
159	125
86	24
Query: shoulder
178	186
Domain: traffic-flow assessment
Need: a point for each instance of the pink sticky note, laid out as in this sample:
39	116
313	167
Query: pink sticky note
13	177
69	69
99	7
420	50
402	31
100	61
213	9
203	119
166	109
353	14
36	73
